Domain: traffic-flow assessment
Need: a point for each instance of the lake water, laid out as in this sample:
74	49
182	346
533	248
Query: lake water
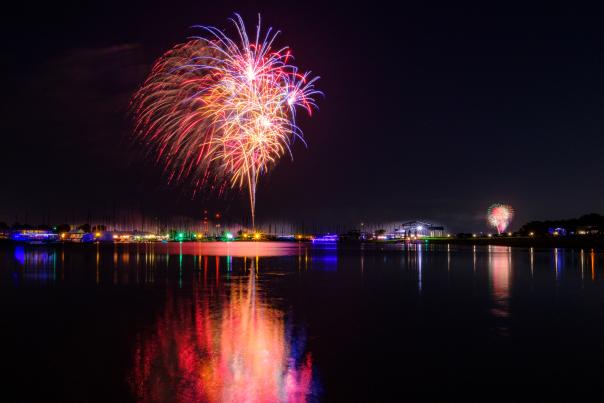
297	322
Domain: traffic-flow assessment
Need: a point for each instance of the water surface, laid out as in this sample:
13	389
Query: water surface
297	322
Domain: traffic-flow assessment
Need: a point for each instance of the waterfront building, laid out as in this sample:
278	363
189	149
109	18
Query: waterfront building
419	229
34	236
588	230
75	236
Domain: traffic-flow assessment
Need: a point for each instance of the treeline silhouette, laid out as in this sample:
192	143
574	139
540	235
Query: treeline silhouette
589	224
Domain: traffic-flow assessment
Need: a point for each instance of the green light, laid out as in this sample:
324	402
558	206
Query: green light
228	235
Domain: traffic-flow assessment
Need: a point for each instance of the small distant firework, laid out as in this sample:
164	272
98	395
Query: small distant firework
500	216
218	113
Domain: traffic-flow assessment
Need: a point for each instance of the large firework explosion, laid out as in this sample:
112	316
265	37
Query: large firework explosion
500	216
218	112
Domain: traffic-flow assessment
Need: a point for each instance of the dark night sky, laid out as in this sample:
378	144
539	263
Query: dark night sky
430	112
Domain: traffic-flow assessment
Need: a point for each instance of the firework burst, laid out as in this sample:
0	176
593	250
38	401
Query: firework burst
500	216
219	113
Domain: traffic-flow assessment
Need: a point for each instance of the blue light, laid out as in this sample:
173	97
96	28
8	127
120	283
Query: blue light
34	236
328	238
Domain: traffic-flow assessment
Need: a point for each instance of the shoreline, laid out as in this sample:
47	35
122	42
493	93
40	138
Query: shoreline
575	242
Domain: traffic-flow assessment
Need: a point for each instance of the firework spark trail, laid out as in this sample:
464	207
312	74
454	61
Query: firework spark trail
500	216
215	110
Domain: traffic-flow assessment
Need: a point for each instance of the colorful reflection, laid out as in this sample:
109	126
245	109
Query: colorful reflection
227	346
558	262
236	249
325	257
38	257
500	263
593	265
37	263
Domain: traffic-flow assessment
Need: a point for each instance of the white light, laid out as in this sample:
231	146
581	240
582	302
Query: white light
291	99
251	74
265	122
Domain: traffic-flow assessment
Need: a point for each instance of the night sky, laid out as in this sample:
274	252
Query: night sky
429	113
